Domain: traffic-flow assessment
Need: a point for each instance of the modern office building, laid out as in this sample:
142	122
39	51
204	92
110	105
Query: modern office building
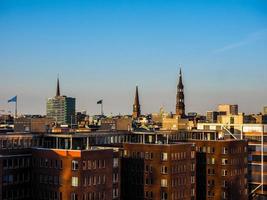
211	116
61	108
158	171
265	110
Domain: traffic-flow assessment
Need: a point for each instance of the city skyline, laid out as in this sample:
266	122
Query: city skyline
102	50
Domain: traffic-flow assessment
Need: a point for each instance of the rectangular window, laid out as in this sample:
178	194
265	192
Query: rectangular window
75	165
74	181
224	172
74	196
115	162
164	156
164	182
224	161
164	170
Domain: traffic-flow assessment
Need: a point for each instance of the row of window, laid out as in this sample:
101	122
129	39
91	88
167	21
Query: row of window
145	155
52	180
181	168
17	143
16	178
179	181
181	155
89	164
14	163
224	194
226	161
91	196
225	150
48	163
15	194
225	172
181	194
51	195
94	180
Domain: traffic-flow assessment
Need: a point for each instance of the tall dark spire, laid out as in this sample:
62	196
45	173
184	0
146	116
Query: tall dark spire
180	106
58	88
136	106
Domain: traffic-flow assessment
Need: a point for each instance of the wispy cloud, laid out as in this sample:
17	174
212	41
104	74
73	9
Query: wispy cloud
259	35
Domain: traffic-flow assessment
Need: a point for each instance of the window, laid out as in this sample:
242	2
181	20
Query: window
192	179
225	150
164	170
115	192
212	161
224	172
192	192
164	156
164	183
115	162
164	195
115	177
224	161
75	165
74	181
74	196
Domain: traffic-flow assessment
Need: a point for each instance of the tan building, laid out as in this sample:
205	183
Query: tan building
228	109
174	123
231	119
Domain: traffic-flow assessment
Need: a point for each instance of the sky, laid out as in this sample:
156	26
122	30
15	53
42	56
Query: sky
102	49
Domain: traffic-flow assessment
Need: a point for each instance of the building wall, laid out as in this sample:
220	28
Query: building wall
15	174
159	172
61	109
228	109
174	123
74	174
221	169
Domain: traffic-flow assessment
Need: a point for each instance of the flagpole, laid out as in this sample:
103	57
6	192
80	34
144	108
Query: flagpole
102	113
16	107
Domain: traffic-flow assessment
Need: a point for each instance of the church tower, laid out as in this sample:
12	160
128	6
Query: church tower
136	105
58	88
180	107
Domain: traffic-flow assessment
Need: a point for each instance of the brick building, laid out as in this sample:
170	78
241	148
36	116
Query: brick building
158	171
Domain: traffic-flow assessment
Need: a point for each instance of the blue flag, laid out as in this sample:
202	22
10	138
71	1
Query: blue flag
13	99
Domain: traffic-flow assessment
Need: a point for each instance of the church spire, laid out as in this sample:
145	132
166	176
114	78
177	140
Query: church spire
136	106
180	106
58	88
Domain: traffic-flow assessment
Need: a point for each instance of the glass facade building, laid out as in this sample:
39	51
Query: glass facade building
62	109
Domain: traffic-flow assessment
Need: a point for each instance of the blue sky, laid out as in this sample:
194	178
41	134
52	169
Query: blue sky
102	49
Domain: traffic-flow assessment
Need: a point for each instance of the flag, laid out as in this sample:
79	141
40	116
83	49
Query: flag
100	101
13	99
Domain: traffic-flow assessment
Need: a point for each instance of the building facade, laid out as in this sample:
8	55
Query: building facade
61	108
158	171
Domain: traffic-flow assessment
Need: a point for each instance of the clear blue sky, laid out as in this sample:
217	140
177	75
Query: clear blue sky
102	49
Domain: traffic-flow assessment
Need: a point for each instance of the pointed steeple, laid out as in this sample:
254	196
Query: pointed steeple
136	99
58	88
180	78
180	106
136	106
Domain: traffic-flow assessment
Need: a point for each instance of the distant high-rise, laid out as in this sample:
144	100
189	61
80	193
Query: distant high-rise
265	110
136	105
61	108
228	109
180	106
